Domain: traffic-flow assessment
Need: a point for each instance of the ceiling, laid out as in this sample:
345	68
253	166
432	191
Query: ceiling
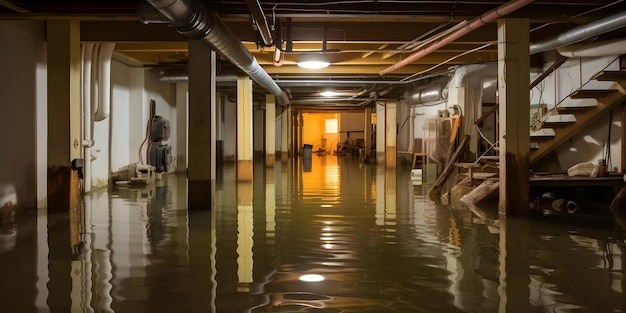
359	38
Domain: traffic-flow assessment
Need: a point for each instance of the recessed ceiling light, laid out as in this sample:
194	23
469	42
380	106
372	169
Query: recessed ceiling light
328	93
313	65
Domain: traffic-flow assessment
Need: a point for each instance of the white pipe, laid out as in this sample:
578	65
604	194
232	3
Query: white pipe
94	82
594	49
87	105
104	81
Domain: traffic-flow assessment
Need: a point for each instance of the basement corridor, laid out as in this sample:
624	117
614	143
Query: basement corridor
332	236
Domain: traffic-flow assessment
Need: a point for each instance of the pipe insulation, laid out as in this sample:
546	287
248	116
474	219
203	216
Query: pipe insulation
105	54
191	19
580	33
594	49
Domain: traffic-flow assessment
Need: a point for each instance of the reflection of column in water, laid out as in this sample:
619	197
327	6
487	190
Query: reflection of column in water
245	232
42	259
156	226
380	195
514	262
284	183
103	268
390	197
270	203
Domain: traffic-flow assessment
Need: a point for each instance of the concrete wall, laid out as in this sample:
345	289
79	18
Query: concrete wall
22	105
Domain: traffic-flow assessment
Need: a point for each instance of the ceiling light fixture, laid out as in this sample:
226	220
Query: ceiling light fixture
329	93
312	62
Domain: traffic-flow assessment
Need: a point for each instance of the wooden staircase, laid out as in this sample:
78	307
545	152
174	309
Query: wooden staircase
567	120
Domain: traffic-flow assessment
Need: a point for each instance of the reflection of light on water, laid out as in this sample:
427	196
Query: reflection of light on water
328	246
311	278
329	238
326	205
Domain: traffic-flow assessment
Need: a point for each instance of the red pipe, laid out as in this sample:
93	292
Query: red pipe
487	17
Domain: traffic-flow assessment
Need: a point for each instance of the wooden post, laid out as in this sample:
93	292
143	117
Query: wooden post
391	129
245	144
513	82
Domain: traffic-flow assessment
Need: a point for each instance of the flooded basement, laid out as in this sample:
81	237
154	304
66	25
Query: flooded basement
332	236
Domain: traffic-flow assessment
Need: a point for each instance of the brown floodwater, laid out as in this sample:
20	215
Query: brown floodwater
334	235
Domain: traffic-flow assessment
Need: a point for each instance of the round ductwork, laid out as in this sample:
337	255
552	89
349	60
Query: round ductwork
426	94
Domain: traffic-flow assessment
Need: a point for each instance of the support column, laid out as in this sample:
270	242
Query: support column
270	130
284	134
201	149
513	82
63	114
380	133
300	126
391	131
368	130
181	127
245	145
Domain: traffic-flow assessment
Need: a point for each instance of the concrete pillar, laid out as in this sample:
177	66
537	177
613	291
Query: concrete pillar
368	130
285	115
181	127
245	144
270	130
137	111
513	82
390	134
300	143
201	142
63	114
380	133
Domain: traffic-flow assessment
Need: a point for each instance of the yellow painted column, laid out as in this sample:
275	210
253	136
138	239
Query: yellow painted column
201	149
245	145
270	130
63	113
368	130
513	82
284	134
380	132
390	134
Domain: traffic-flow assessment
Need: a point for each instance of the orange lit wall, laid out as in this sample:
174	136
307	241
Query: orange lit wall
313	130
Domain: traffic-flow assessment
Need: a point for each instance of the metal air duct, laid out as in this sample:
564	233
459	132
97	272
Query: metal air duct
594	49
580	33
191	19
425	94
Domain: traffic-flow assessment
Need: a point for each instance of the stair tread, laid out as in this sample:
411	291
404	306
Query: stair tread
560	119
563	109
610	76
543	132
591	93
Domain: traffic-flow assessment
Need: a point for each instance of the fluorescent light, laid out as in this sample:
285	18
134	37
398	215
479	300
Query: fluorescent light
329	93
311	278
313	65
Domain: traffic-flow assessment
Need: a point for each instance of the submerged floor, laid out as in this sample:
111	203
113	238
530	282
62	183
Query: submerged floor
332	236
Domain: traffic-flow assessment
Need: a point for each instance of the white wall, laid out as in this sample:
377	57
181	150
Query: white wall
22	59
118	137
353	122
589	144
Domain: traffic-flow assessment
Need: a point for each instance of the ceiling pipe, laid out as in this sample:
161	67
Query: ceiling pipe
594	49
485	18
580	33
192	20
261	22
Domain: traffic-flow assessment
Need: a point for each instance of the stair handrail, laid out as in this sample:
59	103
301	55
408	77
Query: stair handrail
541	120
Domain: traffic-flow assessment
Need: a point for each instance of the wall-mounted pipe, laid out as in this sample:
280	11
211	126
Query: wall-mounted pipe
104	81
87	53
594	49
191	19
485	18
261	22
580	33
